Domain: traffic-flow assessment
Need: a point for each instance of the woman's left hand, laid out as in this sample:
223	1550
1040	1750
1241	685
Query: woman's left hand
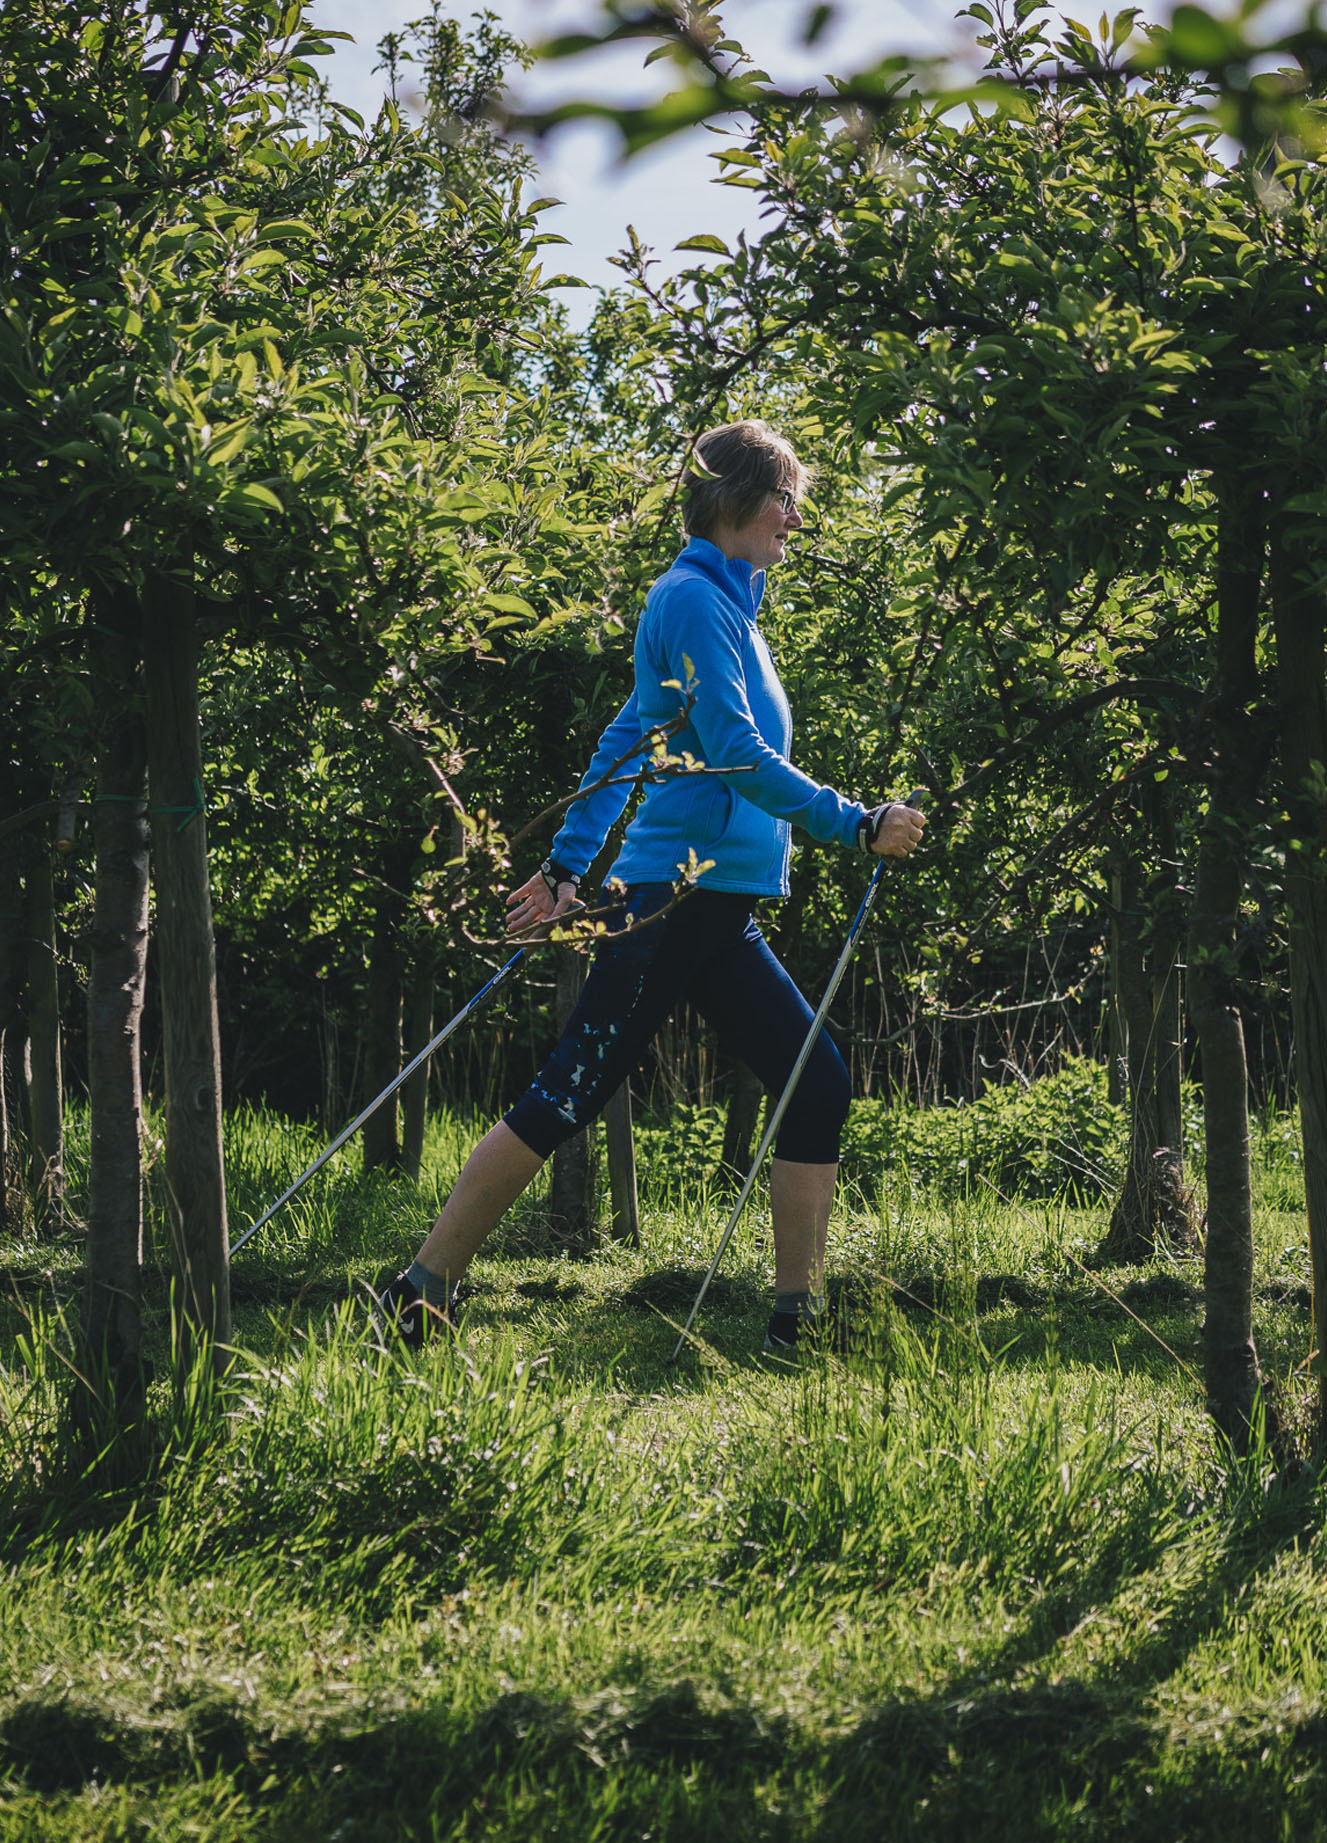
899	832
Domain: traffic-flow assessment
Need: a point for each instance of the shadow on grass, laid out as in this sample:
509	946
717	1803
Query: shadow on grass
550	1286
633	1329
937	1293
1036	1760
628	1333
275	1290
401	1765
994	1755
672	1290
1063	1758
1124	1330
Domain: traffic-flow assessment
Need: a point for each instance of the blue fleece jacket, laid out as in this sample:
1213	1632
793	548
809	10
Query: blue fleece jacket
699	629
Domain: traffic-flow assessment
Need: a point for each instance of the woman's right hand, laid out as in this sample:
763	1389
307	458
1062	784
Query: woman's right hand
534	903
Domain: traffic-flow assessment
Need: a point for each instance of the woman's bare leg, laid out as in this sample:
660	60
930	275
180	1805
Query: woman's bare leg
494	1175
800	1198
502	1166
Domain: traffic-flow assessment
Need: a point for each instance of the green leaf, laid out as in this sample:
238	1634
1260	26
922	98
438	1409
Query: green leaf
1201	40
714	245
284	227
817	20
509	604
262	498
1148	342
218	452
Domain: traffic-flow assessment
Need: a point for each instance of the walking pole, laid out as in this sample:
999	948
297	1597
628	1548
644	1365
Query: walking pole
789	1087
391	1088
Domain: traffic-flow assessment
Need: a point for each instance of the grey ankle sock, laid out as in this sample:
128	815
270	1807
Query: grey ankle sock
433	1287
800	1305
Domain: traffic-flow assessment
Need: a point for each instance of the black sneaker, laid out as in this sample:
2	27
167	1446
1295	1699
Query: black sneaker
783	1331
788	1332
400	1311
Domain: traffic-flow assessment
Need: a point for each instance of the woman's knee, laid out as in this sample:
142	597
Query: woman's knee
836	1093
813	1124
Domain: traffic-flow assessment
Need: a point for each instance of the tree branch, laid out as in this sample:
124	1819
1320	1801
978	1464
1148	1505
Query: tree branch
1143	690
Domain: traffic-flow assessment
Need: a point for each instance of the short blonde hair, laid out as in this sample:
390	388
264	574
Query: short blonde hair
740	465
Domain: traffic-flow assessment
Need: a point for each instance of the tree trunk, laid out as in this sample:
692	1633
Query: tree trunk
1152	1212
46	1176
1168	935
625	1222
1233	1378
1115	1031
571	1200
415	1093
11	897
11	1191
195	1168
382	1040
1299	616
329	1052
740	1126
112	1321
1176	1227
1128	1237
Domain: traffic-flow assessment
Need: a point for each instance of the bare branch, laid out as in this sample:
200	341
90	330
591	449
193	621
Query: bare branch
418	756
29	816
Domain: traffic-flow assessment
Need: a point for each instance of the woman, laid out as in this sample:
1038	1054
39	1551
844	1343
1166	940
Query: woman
698	630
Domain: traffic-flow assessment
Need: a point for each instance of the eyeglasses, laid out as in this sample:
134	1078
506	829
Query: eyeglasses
789	502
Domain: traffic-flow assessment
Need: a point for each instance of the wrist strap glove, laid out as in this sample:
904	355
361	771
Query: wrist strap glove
554	873
868	827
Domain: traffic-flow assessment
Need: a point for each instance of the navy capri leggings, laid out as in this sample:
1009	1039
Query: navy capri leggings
710	950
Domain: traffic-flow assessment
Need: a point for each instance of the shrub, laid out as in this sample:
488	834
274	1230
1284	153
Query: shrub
1059	1136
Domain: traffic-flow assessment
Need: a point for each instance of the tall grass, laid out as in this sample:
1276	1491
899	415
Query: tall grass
980	1573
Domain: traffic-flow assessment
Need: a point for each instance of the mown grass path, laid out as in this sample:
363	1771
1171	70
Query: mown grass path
982	1575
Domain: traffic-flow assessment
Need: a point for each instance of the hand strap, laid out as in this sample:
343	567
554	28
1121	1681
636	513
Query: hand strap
868	827
554	873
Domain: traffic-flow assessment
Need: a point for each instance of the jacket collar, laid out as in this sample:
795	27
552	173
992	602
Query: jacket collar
737	578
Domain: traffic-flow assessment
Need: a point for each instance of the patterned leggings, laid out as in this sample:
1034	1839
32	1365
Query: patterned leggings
709	950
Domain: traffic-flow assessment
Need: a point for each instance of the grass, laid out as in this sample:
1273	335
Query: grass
985	1575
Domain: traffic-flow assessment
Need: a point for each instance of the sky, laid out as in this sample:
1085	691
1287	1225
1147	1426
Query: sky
668	193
